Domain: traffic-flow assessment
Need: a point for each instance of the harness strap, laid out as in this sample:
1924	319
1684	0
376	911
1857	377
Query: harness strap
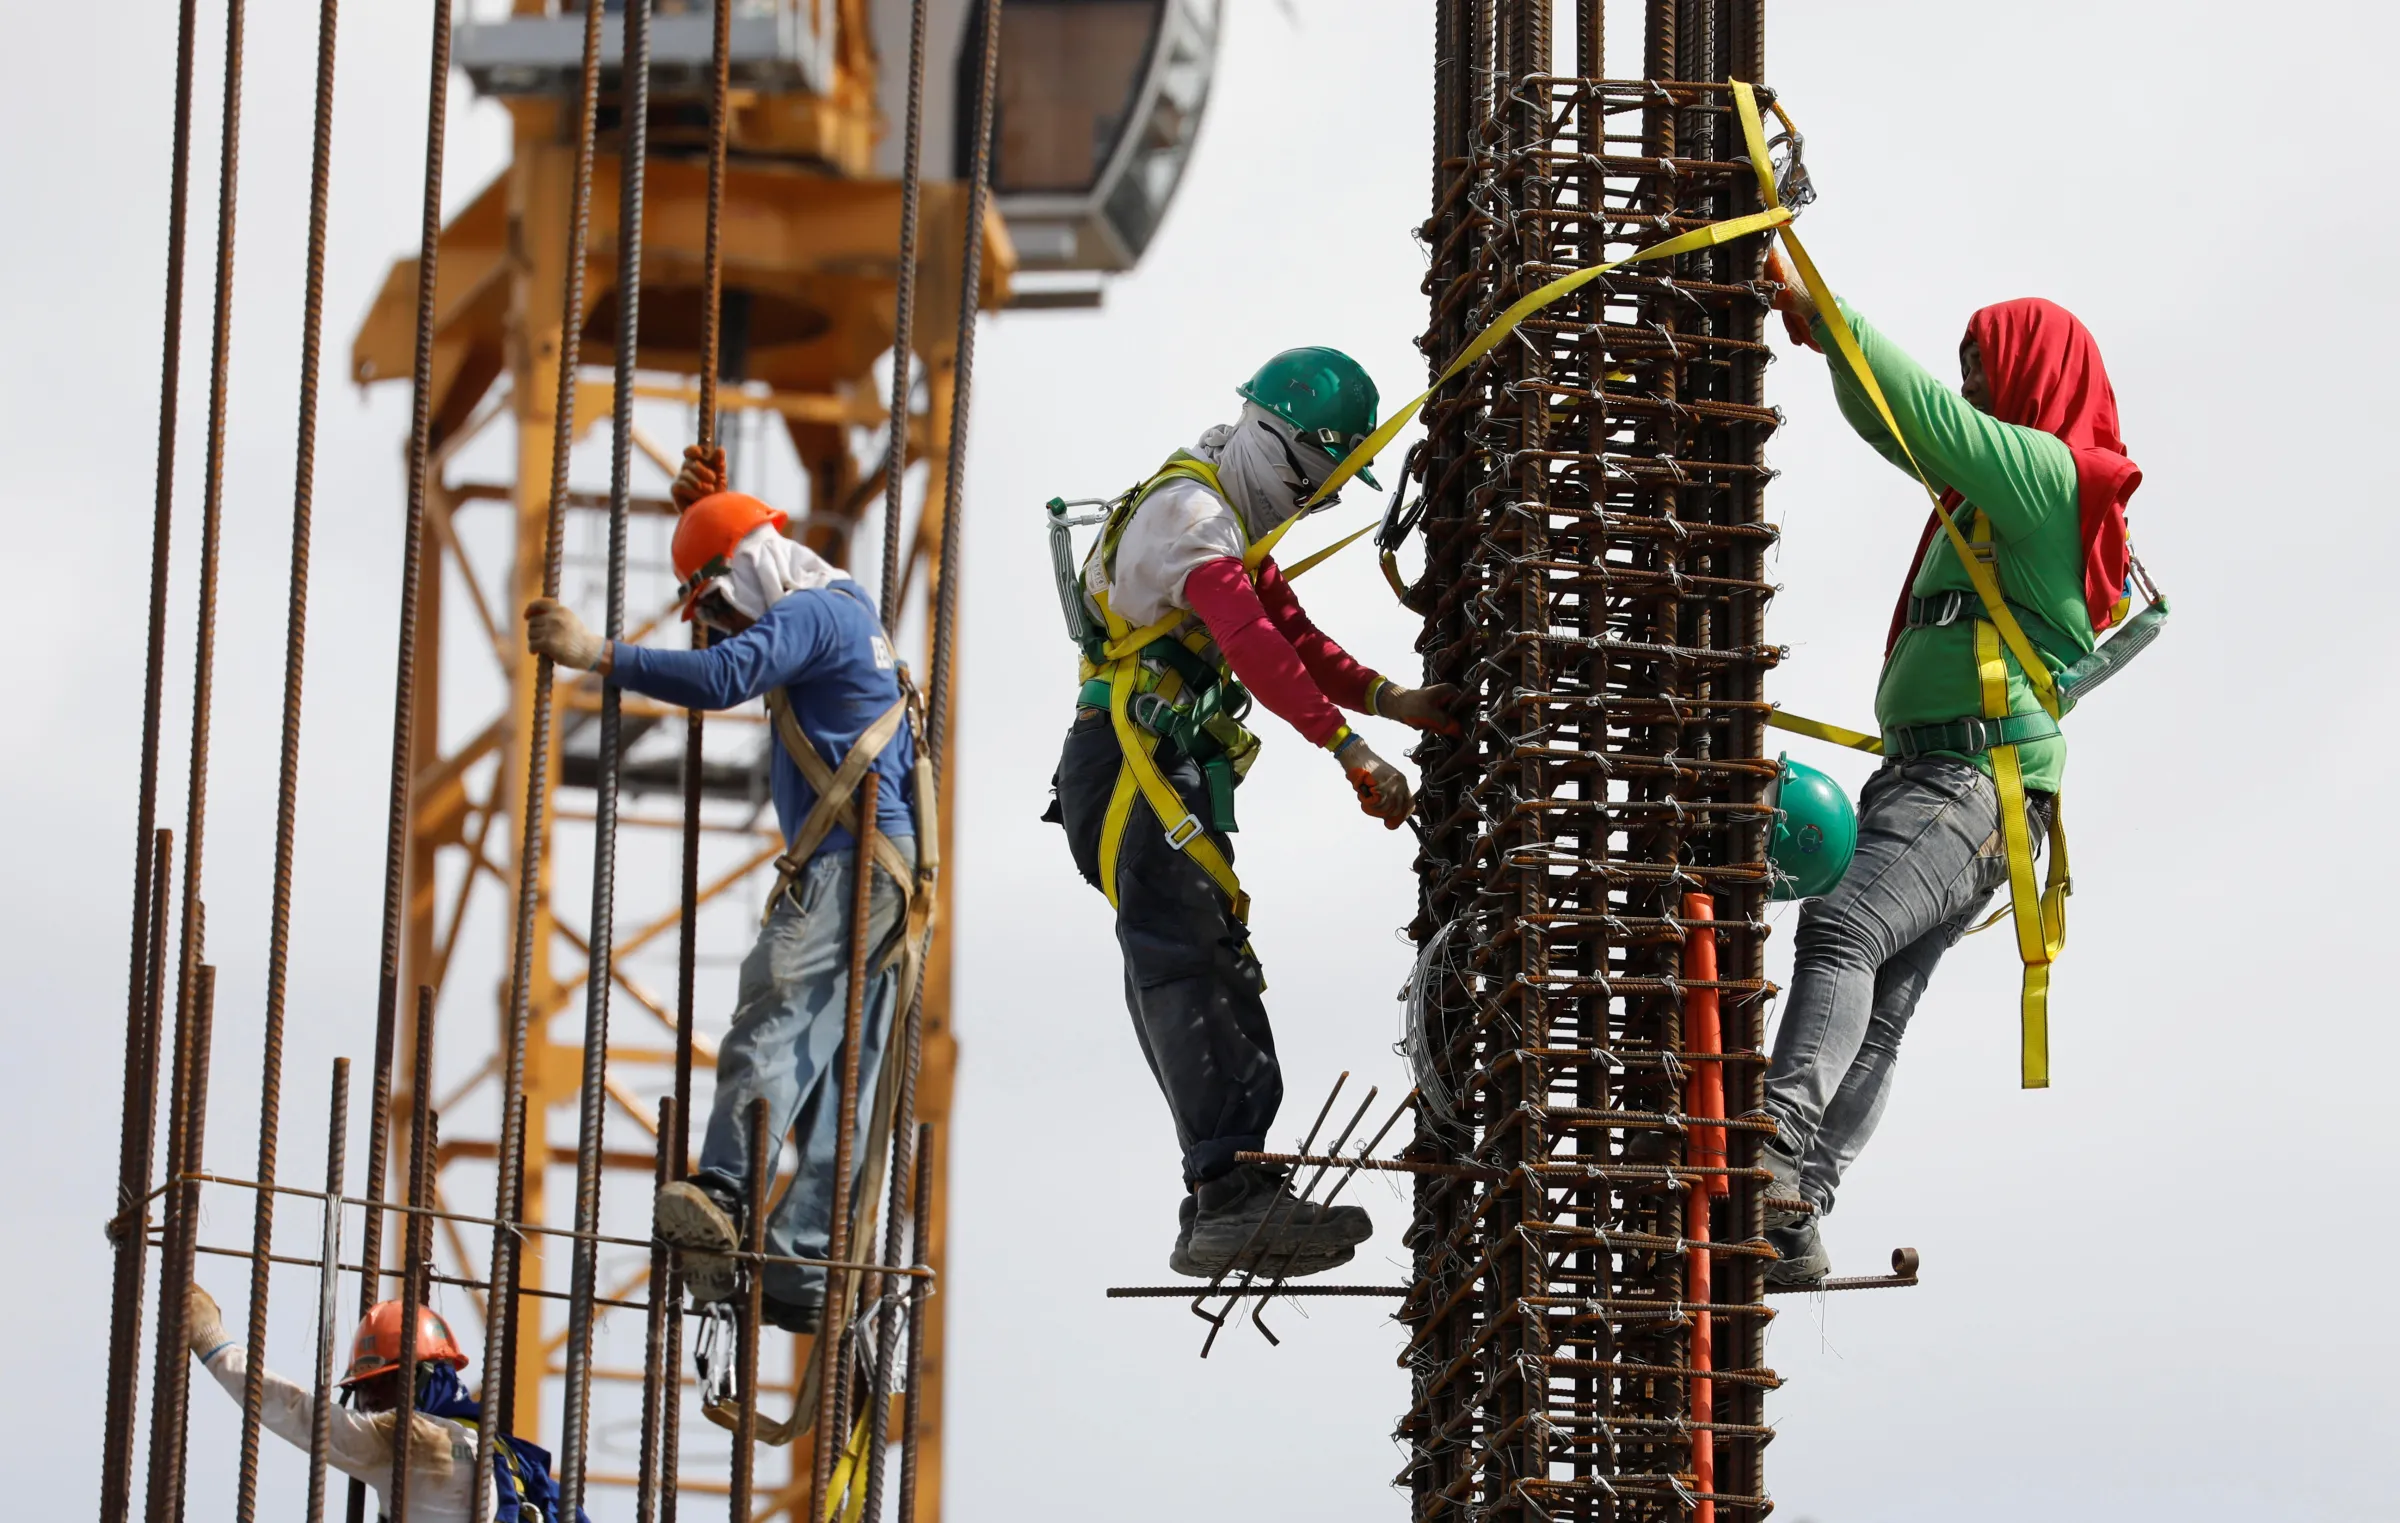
1967	736
837	795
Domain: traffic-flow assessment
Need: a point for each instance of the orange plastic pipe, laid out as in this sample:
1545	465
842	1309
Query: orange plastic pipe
1703	1096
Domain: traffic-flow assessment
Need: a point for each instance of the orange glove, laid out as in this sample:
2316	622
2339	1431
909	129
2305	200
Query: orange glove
1799	309
1382	792
701	476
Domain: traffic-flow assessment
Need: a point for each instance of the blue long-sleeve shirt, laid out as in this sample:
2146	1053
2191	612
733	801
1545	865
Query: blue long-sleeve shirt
825	648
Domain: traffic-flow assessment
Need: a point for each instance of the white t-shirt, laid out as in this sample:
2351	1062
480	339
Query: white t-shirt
1180	528
361	1445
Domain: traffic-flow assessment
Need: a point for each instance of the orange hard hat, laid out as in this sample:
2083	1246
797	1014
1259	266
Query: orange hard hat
375	1347
706	534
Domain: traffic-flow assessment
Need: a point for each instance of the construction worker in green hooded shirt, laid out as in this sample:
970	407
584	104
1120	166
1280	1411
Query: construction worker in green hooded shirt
1198	620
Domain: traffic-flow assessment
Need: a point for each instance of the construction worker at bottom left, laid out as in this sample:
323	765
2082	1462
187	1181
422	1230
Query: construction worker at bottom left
442	1427
800	632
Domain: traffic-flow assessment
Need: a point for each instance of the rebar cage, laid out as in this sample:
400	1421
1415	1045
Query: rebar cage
1594	540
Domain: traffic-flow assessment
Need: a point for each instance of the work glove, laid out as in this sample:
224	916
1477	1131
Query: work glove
204	1325
701	476
1382	791
1426	708
551	629
1799	309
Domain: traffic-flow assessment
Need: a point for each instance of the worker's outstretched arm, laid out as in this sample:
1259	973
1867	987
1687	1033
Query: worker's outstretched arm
1339	675
361	1445
796	634
1219	593
2017	475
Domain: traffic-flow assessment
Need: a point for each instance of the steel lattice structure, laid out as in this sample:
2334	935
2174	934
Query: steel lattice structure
1594	538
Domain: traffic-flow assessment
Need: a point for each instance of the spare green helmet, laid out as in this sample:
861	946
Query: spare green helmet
1323	394
1815	831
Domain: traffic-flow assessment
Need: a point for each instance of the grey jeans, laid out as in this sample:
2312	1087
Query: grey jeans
785	1044
1929	858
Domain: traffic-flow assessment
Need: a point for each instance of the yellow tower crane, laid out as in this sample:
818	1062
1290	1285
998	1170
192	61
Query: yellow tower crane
1098	105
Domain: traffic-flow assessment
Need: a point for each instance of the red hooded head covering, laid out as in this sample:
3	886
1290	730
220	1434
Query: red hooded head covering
2045	372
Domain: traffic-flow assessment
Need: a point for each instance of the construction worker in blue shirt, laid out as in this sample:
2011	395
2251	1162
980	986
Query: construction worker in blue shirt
794	629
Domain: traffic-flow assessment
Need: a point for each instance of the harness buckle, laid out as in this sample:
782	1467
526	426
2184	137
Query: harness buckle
1180	834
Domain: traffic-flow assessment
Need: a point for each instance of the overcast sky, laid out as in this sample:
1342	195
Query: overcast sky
2121	1274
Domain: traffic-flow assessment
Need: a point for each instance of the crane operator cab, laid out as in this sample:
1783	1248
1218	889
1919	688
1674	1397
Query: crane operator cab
1099	102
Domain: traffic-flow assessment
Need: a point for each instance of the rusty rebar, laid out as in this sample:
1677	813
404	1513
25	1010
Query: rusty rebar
575	1434
329	1272
170	1386
397	802
845	1111
148	923
416	1241
904	315
1594	542
757	1191
135	1145
657	1388
287	786
919	1289
498	1392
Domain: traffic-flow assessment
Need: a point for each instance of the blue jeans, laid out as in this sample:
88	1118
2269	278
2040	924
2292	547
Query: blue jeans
786	1045
1929	858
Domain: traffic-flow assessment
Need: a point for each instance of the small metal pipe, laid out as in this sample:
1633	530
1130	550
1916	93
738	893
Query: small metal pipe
745	1430
320	1427
846	1104
575	1428
921	1217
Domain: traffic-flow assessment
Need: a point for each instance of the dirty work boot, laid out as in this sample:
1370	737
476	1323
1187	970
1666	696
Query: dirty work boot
1783	1188
702	1219
1248	1218
1805	1261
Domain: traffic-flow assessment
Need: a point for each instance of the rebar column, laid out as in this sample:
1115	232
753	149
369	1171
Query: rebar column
1594	539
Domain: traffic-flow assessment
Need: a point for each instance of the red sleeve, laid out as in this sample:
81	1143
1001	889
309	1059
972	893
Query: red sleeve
1337	676
1221	594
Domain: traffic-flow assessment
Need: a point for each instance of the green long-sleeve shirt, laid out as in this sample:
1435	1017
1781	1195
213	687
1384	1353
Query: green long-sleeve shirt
2023	481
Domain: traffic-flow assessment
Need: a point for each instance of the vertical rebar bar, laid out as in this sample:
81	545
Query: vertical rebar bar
846	1098
415	1239
287	788
397	802
575	1428
149	927
659	1384
746	1335
920	1287
508	1186
512	1241
329	1275
904	316
186	1129
130	1227
970	290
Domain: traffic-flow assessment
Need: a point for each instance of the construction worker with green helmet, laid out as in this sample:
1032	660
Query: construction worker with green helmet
1184	618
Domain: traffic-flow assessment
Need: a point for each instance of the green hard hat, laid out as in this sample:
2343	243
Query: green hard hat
1324	394
1815	831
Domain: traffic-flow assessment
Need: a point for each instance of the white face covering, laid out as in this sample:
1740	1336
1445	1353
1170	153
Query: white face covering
767	568
1261	476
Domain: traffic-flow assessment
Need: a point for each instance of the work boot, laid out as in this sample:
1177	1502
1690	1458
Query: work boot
1785	1205
704	1220
1249	1219
697	1215
1805	1261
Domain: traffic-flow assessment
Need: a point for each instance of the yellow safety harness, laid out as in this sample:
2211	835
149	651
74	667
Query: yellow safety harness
1129	664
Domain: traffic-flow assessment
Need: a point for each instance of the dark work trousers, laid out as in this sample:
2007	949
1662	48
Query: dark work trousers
1190	982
